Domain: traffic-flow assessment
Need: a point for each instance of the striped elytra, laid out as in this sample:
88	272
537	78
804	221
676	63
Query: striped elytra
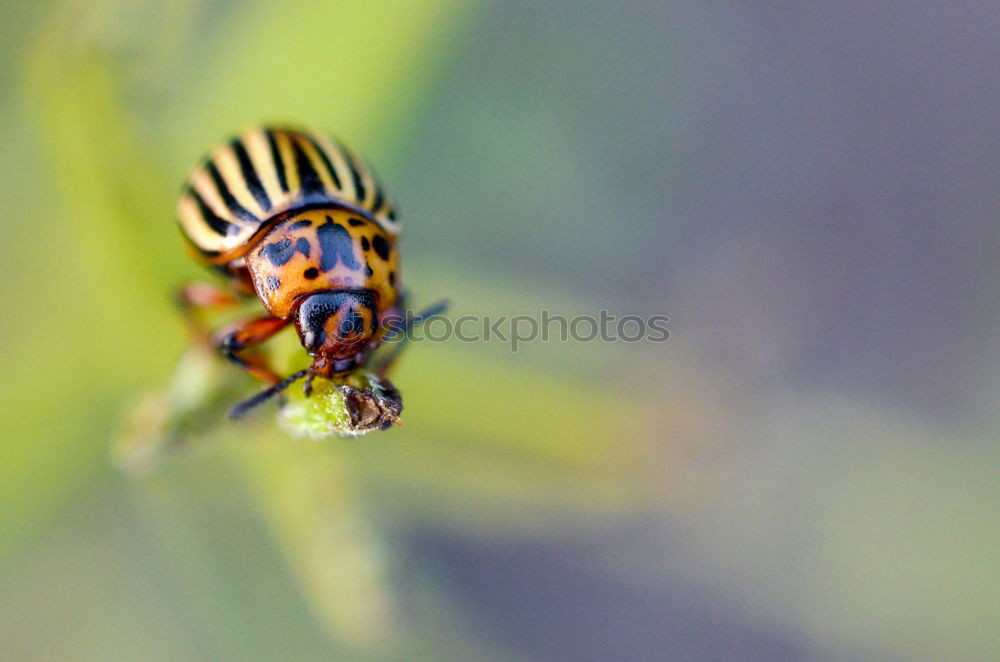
249	183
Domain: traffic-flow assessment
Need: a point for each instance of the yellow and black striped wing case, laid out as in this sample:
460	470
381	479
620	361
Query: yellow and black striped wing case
253	178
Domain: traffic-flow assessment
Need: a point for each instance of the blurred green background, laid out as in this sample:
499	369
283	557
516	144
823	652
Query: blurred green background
808	469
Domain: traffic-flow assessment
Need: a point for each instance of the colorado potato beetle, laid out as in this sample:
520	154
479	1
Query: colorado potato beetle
293	218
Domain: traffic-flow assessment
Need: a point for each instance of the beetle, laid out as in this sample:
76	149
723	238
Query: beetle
293	218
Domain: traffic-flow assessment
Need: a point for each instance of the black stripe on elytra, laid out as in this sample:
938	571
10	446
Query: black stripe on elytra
220	225
279	165
239	211
335	243
298	225
309	180
359	185
250	176
379	198
326	161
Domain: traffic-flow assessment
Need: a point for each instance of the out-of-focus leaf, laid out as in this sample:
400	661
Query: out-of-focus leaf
356	69
191	408
310	503
65	367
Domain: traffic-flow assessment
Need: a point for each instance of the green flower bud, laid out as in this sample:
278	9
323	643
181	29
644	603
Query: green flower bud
348	408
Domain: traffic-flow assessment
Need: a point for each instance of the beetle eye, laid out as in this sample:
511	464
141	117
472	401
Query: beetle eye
311	340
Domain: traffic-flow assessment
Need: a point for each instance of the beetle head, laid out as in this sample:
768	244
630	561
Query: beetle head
336	327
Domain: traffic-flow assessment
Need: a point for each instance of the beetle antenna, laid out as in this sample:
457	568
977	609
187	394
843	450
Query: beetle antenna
430	311
241	408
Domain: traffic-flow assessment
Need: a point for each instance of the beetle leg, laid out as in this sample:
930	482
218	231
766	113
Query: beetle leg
199	296
233	339
385	363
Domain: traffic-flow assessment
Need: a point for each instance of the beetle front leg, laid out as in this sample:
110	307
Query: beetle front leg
232	340
197	297
381	368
